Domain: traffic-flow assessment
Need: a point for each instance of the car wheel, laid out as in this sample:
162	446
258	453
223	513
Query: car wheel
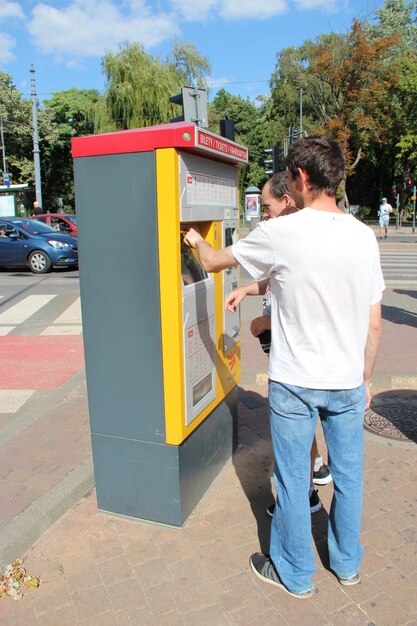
39	262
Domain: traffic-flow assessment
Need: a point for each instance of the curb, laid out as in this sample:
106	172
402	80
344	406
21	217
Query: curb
22	532
379	381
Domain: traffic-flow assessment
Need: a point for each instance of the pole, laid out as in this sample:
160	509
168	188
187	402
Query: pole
301	111
36	151
414	209
3	147
397	202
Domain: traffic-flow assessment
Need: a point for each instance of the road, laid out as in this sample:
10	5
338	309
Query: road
40	336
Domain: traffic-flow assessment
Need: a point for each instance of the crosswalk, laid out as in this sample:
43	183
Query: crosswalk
399	267
67	322
40	344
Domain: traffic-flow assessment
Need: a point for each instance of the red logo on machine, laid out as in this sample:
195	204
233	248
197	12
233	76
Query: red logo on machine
231	359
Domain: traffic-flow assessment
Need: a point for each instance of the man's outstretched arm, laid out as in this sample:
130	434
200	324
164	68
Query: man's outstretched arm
212	260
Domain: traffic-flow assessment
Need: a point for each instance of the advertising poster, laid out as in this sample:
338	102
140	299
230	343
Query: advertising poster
252	203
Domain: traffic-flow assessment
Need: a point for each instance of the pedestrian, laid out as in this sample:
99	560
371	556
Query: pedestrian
383	213
326	291
37	210
277	202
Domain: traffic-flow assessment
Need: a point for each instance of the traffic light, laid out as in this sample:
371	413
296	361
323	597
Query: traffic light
409	187
194	106
272	162
227	128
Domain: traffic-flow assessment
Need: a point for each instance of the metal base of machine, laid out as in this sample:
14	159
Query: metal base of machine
159	482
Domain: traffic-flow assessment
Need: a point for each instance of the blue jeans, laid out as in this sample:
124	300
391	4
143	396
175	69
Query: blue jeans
293	413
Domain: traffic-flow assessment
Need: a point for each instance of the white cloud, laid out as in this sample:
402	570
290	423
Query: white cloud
10	10
87	28
196	10
326	5
7	44
244	9
201	10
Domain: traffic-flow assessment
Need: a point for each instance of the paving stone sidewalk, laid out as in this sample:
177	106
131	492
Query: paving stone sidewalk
101	569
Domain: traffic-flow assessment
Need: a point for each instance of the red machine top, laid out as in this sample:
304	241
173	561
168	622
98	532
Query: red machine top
183	135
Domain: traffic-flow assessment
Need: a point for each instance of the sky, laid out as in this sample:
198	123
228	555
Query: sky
65	40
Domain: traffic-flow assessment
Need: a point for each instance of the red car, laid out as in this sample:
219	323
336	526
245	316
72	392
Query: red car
63	222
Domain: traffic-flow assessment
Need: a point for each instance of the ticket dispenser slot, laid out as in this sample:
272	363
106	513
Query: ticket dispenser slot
198	332
231	323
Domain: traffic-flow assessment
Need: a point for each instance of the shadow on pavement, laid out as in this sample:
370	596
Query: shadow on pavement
406	292
253	461
398	315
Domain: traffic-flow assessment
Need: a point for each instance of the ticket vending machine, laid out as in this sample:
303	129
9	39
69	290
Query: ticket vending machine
162	355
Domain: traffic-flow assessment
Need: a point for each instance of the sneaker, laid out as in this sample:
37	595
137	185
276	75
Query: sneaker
385	236
315	504
352	580
322	476
264	569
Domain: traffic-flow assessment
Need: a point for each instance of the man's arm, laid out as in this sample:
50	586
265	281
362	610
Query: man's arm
235	297
212	260
372	347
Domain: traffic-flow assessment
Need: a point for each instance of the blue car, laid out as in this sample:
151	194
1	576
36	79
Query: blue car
30	243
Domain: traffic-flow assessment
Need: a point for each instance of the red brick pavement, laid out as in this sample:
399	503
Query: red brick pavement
39	362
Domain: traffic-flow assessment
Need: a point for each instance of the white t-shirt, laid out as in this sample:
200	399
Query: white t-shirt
325	273
385	209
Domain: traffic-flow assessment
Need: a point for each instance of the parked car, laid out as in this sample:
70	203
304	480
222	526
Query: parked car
63	222
30	243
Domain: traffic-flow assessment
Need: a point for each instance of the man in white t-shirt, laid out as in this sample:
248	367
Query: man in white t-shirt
383	213
326	291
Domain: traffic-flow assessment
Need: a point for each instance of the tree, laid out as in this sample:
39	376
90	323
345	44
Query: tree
139	85
347	86
253	129
71	113
17	122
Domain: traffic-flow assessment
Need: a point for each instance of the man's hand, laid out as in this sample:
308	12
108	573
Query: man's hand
192	238
234	298
259	324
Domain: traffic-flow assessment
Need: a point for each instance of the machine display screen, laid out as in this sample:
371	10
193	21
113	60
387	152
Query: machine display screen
191	270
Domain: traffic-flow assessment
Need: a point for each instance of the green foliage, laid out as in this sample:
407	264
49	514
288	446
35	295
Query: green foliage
139	85
16	113
253	129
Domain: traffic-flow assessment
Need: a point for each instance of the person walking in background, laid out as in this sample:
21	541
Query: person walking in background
37	210
383	213
326	291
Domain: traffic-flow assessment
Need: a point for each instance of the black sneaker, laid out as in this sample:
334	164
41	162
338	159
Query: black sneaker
264	569
322	476
315	504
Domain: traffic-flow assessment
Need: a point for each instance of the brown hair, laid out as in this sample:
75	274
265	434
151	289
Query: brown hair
322	160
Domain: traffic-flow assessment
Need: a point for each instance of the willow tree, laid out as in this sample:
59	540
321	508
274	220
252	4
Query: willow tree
139	85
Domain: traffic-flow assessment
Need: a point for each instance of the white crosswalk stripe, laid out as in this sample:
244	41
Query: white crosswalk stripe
67	323
24	309
399	267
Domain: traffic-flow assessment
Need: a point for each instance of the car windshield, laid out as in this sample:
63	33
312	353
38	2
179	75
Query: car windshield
71	218
34	226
